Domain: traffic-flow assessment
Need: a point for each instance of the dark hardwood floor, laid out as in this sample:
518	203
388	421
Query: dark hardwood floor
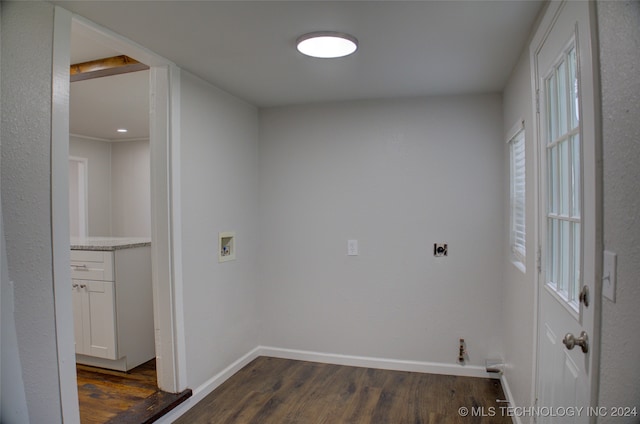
107	396
280	391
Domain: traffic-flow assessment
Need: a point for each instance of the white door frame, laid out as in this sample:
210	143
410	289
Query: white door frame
594	255
165	205
83	165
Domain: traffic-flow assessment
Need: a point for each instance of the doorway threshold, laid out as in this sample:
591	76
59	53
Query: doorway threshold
108	396
152	408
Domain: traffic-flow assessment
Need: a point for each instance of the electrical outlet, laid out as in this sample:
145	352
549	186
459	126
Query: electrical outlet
352	247
440	249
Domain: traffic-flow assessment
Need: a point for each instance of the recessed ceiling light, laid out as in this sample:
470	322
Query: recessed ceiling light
122	130
327	44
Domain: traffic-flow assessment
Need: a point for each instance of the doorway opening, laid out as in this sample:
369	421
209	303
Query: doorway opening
162	85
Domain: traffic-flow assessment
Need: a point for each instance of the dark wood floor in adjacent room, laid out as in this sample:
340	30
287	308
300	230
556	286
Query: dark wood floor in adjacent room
117	397
281	391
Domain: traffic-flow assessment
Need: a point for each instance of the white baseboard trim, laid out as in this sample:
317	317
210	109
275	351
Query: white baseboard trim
507	393
380	363
328	358
209	386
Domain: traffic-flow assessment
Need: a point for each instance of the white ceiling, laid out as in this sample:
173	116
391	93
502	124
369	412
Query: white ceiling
98	107
407	48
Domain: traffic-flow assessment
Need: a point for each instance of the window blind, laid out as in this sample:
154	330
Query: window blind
517	185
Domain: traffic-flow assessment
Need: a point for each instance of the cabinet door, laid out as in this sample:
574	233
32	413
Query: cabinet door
77	296
100	316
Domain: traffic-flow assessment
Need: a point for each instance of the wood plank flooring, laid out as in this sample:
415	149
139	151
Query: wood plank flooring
281	391
108	396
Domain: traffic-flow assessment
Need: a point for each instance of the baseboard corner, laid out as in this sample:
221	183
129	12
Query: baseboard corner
209	386
509	397
330	358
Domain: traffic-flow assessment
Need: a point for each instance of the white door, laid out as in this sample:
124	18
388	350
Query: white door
569	231
100	318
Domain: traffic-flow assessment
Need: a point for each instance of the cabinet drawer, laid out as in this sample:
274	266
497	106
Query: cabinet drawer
92	265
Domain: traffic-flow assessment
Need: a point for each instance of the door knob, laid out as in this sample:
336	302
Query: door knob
570	341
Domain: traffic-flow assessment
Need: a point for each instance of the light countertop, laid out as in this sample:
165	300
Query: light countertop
108	243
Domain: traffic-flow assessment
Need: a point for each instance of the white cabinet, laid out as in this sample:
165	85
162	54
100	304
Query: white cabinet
94	318
113	307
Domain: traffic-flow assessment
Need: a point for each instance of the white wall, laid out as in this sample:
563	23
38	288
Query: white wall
119	186
518	292
26	106
219	189
374	171
397	176
619	31
130	189
13	403
98	155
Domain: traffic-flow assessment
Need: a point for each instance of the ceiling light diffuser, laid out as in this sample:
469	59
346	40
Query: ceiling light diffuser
327	44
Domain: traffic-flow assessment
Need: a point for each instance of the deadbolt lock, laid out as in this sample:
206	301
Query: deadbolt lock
584	296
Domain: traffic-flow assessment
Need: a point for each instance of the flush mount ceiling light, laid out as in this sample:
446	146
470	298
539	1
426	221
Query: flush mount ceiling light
327	44
122	130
